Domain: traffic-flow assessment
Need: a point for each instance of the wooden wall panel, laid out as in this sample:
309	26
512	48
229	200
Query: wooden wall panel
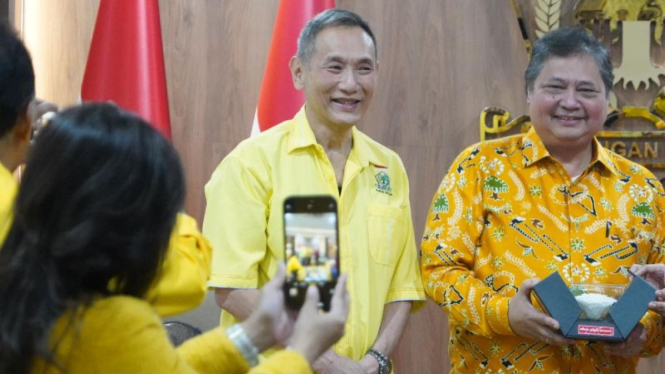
215	55
442	61
58	36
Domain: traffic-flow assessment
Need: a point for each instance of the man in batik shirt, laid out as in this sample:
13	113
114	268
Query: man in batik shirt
552	200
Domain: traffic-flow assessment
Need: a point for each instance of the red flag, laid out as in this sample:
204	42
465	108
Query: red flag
279	100
126	61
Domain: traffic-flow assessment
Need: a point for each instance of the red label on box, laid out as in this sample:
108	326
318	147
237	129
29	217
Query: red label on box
595	330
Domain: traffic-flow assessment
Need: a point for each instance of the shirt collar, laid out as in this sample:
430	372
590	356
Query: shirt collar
534	150
602	156
302	136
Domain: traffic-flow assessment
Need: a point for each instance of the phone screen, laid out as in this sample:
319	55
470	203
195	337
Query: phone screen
310	248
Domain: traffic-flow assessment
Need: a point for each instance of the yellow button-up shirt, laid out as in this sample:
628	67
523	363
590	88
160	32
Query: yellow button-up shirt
8	189
243	220
182	282
506	212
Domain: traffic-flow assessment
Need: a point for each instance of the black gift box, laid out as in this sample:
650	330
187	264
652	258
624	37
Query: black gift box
559	302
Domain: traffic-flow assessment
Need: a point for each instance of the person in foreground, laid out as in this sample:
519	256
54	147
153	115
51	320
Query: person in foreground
514	210
92	224
321	152
186	268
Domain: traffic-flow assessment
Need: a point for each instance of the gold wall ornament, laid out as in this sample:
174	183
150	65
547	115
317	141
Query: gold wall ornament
517	10
548	14
616	11
625	26
636	66
633	31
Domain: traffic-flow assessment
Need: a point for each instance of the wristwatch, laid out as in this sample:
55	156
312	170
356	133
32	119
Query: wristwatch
385	366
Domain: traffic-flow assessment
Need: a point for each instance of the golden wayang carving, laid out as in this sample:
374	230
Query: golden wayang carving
633	31
548	14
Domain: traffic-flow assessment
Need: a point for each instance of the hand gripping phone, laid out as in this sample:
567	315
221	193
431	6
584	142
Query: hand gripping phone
311	248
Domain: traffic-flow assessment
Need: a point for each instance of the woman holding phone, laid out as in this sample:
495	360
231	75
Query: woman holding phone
93	217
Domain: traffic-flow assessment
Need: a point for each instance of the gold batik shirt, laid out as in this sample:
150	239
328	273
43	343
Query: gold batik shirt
507	212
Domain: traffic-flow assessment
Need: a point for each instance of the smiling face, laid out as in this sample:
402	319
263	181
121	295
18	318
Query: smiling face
339	79
568	102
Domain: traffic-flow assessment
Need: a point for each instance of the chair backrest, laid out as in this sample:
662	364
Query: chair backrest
179	332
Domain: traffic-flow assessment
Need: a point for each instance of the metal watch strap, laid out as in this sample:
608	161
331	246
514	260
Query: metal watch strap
385	366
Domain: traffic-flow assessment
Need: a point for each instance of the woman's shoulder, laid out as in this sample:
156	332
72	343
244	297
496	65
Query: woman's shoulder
109	312
109	335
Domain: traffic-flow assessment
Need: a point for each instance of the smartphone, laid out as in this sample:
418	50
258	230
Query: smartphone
311	248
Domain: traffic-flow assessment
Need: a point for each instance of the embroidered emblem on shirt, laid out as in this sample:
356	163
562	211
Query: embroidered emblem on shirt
383	183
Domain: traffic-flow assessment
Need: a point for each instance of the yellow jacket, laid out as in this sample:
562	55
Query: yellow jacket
124	335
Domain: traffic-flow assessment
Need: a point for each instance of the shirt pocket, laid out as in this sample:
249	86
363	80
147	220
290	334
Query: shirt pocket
385	233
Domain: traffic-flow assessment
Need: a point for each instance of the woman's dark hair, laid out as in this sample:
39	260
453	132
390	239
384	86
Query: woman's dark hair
93	218
17	77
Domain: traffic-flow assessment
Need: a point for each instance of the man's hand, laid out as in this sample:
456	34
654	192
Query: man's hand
632	346
528	322
653	273
332	363
370	364
658	306
37	109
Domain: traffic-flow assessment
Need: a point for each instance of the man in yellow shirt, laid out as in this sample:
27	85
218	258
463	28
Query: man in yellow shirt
552	200
182	283
320	151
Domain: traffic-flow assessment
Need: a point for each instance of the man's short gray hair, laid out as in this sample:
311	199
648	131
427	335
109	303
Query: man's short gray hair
566	42
325	19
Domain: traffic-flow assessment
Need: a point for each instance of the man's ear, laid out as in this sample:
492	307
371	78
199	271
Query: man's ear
297	73
22	132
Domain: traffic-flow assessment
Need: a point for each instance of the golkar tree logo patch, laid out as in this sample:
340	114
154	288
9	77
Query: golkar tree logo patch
383	183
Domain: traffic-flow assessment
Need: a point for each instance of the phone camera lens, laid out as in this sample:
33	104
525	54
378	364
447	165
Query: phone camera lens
288	207
310	206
